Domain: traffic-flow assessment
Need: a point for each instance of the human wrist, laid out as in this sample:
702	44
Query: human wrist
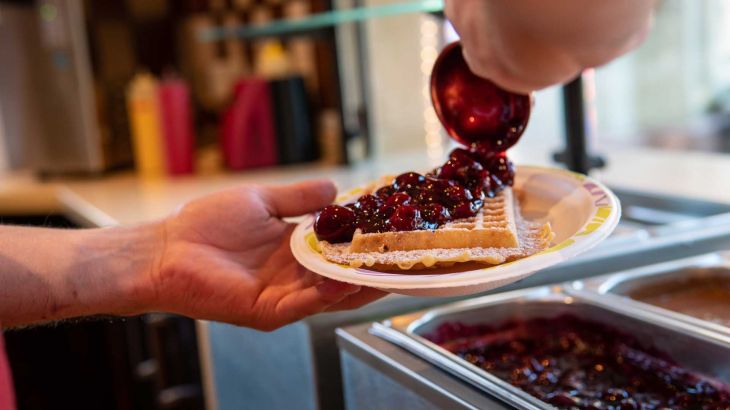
123	262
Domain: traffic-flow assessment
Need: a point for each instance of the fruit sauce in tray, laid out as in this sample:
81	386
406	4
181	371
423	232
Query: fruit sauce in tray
571	362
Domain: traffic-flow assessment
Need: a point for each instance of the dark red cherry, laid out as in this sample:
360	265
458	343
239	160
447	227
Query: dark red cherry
461	155
465	209
432	190
474	109
407	180
502	169
456	194
365	223
335	224
384	225
424	196
435	214
469	172
398	198
437	185
478	185
483	153
373	223
385	192
461	158
405	218
460	169
368	204
613	394
386	211
448	170
628	404
563	400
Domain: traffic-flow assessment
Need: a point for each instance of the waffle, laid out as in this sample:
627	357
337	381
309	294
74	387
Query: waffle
498	234
493	226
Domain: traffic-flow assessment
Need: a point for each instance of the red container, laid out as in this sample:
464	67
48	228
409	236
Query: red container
248	137
177	126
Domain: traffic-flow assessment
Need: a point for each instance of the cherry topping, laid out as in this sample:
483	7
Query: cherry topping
374	223
435	213
479	183
368	204
482	153
461	155
335	224
386	211
385	192
574	363
457	194
398	198
425	196
502	169
448	170
437	185
562	400
628	404
456	190
465	209
406	218
460	170
614	394
407	180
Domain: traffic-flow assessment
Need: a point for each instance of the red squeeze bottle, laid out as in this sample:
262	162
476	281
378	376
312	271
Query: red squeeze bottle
177	126
248	137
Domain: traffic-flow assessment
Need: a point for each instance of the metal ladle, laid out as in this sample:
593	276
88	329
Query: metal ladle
474	109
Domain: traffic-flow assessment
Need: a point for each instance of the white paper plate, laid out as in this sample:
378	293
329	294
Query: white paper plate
581	211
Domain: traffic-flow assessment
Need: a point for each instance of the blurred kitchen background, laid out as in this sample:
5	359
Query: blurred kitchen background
174	86
169	88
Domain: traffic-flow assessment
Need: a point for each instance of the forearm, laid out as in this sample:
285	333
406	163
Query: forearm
52	274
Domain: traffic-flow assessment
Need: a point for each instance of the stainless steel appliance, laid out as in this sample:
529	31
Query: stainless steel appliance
48	94
18	97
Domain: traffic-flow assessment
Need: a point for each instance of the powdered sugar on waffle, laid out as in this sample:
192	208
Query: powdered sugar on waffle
533	237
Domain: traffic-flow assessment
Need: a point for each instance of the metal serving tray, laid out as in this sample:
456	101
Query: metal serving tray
645	216
680	340
612	289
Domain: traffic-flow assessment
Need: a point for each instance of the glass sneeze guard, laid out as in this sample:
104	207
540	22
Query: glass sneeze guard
321	20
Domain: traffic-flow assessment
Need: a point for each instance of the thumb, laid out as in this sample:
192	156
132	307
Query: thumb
298	199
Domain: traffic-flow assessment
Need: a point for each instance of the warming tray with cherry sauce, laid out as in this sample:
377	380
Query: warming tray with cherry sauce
569	351
694	290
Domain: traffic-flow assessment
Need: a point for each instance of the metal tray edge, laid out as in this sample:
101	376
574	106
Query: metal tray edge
456	366
597	289
399	331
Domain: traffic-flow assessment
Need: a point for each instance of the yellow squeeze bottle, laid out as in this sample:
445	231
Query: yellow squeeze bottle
145	120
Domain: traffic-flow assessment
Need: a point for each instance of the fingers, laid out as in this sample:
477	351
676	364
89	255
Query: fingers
471	21
498	56
359	299
531	44
298	199
313	300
